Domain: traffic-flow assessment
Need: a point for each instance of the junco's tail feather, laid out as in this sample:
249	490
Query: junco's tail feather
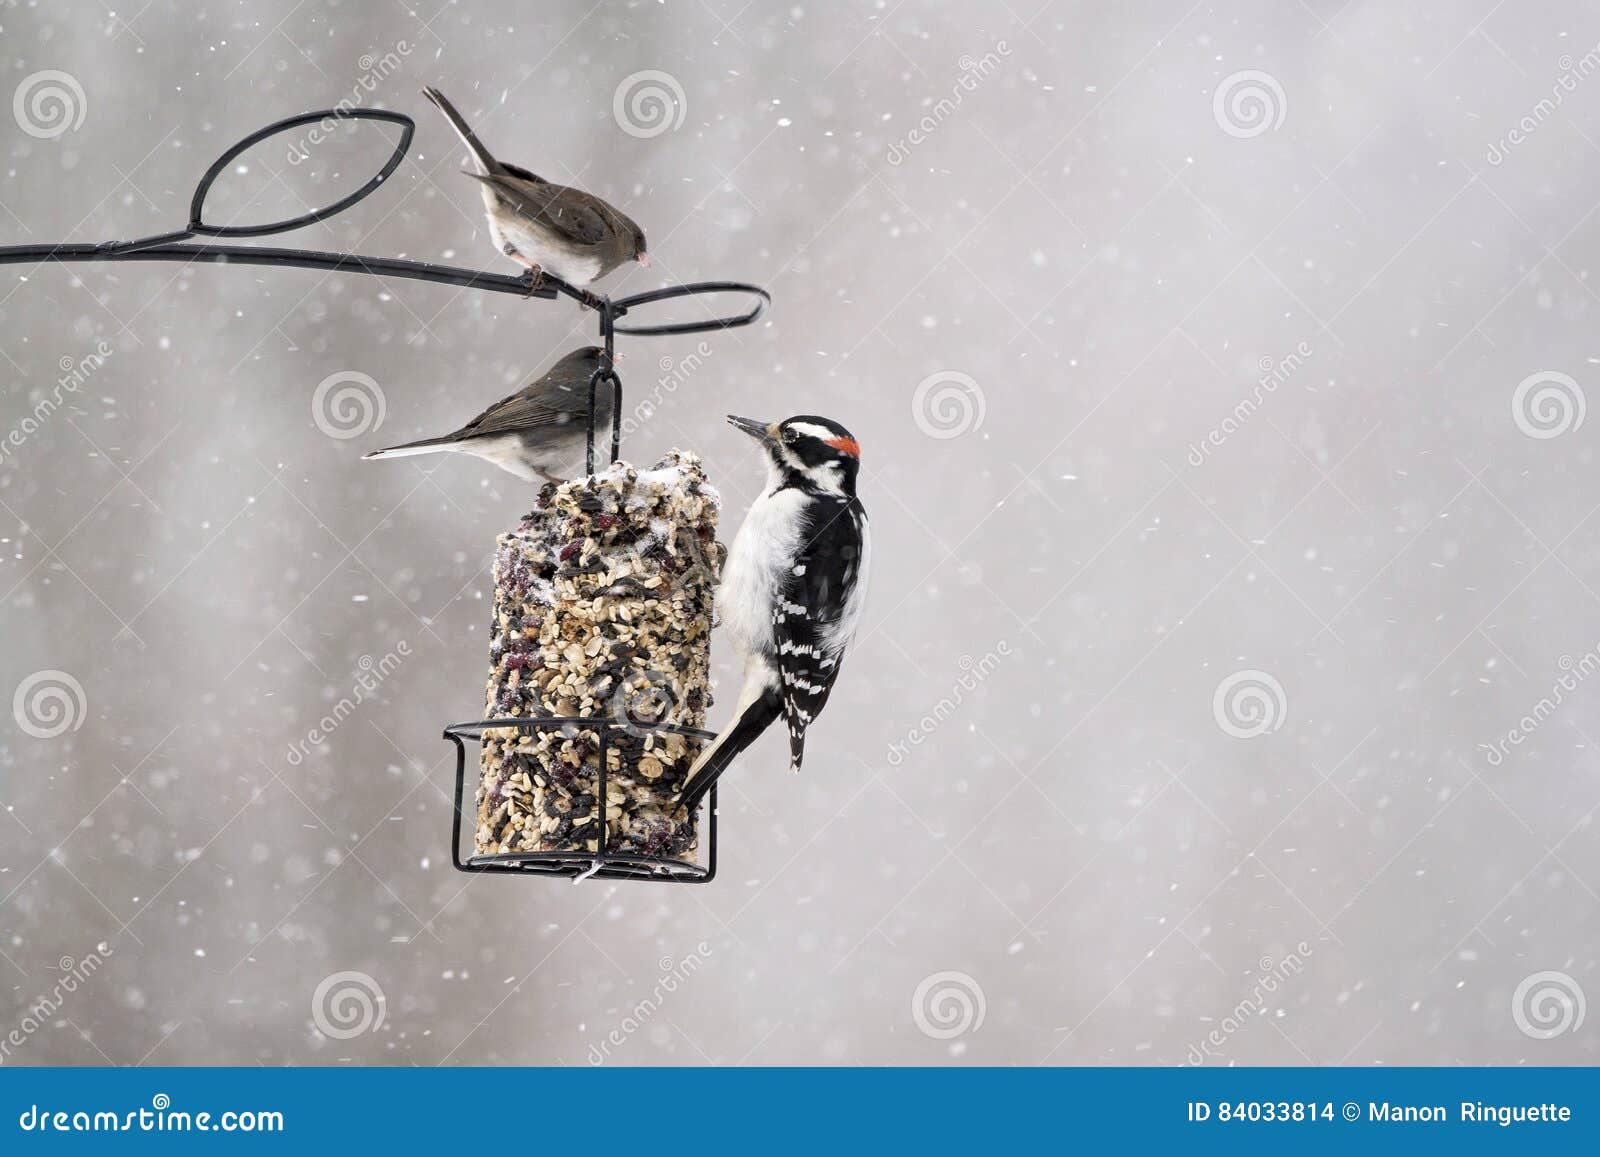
422	446
469	138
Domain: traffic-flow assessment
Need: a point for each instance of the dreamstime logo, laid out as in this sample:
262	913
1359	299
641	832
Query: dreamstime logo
75	374
1271	975
374	70
45	1009
673	974
49	103
1548	1004
1571	74
649	103
372	674
1249	703
674	373
1573	672
643	699
155	1119
347	1004
49	703
947	1005
973	674
1249	103
974	71
1273	373
1548	404
348	404
947	405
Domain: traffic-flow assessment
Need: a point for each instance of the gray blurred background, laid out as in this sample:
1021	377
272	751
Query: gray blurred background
1225	690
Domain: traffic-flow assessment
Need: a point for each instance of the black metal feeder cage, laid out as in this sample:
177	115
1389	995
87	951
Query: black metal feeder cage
602	862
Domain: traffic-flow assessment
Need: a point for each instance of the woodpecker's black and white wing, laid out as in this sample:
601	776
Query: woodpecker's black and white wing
817	612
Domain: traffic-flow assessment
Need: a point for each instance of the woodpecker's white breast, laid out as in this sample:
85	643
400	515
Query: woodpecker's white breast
761	556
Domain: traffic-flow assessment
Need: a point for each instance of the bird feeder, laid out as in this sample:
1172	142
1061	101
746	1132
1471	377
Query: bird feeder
602	609
610	767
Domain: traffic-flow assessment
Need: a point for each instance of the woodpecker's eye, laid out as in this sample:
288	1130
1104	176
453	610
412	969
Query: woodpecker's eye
790	437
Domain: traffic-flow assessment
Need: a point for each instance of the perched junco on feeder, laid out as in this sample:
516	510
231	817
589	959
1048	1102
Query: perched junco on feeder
538	431
792	589
572	234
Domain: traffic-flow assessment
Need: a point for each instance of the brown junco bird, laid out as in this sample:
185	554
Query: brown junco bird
573	234
538	432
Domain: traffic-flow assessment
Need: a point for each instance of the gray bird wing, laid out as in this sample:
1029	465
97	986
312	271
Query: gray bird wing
544	404
576	217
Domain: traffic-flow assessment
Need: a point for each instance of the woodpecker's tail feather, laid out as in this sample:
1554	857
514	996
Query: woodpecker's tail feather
469	138
756	717
425	446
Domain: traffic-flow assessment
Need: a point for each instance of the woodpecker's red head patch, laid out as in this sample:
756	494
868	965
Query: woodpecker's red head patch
846	445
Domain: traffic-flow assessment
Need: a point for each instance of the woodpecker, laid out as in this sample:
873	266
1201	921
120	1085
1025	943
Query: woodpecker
792	589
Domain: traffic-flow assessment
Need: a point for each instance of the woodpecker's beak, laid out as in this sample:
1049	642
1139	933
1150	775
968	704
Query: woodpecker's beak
760	431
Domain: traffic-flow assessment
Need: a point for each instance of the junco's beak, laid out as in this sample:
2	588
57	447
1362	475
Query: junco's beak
760	431
643	259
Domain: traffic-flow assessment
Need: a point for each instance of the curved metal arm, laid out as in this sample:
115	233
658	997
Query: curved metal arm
408	128
170	247
693	289
159	249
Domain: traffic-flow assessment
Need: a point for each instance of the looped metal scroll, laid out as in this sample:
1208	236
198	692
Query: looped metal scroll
177	246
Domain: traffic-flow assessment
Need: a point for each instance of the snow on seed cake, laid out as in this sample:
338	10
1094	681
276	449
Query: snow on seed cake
602	607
